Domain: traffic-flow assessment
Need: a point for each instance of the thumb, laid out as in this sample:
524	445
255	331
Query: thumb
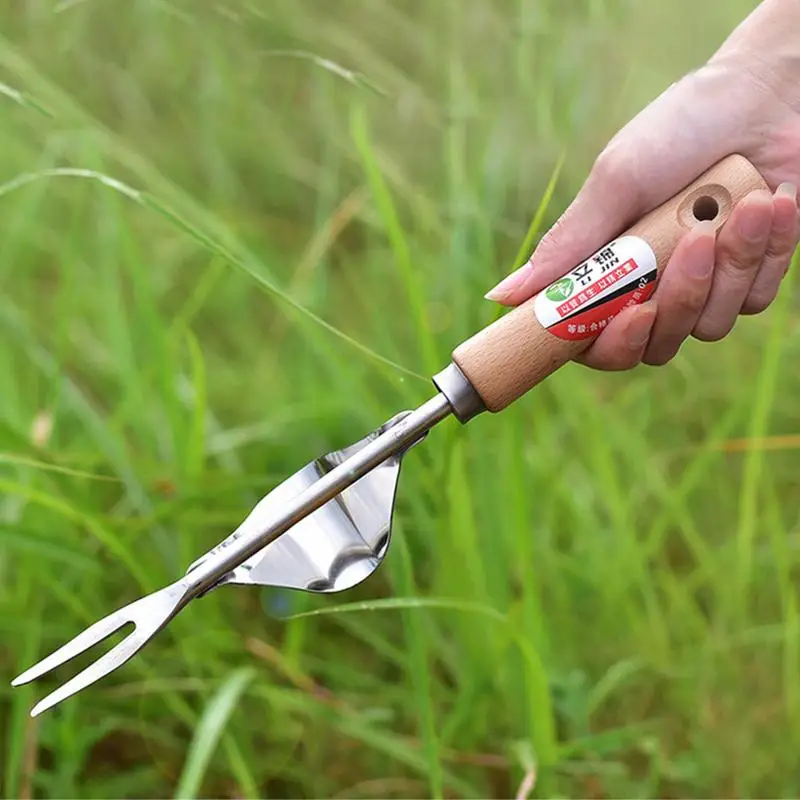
661	150
606	204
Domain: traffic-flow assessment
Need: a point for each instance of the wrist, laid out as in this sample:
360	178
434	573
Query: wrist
765	48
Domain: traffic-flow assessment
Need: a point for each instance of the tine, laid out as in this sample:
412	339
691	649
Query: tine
110	661
83	641
149	614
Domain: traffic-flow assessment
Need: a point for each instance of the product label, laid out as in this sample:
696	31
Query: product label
585	300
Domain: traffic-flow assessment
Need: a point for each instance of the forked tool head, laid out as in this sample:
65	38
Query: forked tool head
148	614
324	529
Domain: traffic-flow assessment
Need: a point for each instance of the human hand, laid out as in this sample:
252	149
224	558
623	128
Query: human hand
736	103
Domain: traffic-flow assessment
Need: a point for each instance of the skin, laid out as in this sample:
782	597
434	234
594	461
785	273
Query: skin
745	99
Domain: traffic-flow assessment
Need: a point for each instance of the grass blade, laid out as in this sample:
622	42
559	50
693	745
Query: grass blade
210	729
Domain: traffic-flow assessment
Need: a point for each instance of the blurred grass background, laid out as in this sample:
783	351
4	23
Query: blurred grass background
593	594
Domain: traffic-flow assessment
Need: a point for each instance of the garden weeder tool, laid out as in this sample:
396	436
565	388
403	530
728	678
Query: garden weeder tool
327	528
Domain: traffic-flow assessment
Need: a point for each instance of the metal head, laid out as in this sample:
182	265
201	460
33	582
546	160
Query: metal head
325	529
335	547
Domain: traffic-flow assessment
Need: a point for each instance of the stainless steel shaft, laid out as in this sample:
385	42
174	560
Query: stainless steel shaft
396	438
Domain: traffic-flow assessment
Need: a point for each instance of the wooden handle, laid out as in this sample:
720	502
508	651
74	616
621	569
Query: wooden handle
513	354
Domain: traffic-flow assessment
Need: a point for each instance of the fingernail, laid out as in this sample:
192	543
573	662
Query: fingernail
706	226
509	283
640	327
787	190
701	257
784	217
755	221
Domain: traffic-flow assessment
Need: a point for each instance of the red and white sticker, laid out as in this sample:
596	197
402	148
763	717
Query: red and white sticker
585	300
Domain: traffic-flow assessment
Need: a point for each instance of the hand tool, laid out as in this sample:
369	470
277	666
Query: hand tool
328	526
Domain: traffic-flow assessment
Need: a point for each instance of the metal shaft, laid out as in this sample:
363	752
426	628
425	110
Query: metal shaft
396	438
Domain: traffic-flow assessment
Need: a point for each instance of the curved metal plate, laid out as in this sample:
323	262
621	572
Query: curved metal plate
333	548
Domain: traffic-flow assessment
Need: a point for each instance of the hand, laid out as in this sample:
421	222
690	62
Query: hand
731	105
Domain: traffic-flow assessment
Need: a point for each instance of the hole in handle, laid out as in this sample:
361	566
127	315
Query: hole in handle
710	202
705	207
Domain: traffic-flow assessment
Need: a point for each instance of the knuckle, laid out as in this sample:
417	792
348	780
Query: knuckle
779	249
606	166
690	302
783	240
557	234
739	263
611	171
740	259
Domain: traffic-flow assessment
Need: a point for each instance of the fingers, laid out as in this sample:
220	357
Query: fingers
621	345
639	334
634	174
707	283
607	202
682	293
741	247
780	248
661	150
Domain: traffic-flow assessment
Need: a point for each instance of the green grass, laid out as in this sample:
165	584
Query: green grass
239	234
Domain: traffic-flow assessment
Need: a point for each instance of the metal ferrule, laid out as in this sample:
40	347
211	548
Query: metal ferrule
460	393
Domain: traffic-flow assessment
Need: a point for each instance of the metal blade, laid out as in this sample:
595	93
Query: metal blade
333	548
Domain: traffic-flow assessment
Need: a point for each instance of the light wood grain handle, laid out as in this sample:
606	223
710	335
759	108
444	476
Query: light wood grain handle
513	354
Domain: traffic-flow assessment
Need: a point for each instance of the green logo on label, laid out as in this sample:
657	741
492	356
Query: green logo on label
560	290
